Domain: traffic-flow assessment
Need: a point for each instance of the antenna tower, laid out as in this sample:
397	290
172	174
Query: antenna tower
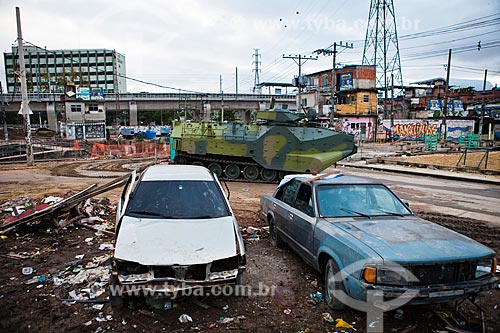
256	70
381	44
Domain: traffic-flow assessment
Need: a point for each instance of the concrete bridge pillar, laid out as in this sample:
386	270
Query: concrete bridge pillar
132	105
51	116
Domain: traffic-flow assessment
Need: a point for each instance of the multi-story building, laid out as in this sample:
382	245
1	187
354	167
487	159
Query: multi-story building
355	97
98	70
355	90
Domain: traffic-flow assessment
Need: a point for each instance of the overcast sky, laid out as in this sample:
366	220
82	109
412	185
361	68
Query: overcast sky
188	44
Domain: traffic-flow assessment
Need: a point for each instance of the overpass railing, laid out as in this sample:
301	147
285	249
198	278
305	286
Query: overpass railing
49	97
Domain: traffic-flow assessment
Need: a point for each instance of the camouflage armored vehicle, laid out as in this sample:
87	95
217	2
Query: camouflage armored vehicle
279	142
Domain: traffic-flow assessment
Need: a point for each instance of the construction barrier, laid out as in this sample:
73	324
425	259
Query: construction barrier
130	150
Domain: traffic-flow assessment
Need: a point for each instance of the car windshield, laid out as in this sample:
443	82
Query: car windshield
363	200
177	199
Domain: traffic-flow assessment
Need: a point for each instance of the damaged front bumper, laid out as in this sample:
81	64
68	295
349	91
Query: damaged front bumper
133	279
432	293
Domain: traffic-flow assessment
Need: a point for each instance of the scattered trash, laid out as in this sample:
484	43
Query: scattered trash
89	239
327	317
106	246
317	297
27	270
3	237
98	306
88	323
51	199
185	318
80	256
168	305
314	283
36	279
225	307
253	230
398	314
223	320
287	311
340	323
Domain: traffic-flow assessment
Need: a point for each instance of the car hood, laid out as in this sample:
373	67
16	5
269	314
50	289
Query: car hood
175	242
414	240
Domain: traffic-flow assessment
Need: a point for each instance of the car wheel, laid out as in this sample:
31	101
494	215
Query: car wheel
274	234
115	299
333	282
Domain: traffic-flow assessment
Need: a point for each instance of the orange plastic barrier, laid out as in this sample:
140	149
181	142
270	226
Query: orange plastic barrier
130	150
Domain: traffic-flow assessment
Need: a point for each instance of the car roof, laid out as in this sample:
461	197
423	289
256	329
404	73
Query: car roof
337	179
176	172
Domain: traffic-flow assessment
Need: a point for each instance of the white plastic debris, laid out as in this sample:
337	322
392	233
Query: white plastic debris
106	247
185	318
51	199
27	270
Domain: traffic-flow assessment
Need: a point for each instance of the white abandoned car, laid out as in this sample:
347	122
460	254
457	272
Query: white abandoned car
175	233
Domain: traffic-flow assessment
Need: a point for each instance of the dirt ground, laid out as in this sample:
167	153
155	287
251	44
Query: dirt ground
451	160
39	306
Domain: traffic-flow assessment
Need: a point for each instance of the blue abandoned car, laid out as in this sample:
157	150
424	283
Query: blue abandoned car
365	240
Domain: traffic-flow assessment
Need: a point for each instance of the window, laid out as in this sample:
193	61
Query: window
76	108
304	102
304	201
366	98
358	200
324	80
182	199
93	107
288	191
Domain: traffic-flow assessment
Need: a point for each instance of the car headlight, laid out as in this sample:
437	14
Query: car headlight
390	275
485	267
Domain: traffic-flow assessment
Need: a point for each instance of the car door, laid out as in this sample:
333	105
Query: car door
124	199
302	221
281	207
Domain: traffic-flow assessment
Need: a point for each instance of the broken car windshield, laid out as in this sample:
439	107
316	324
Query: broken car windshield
178	200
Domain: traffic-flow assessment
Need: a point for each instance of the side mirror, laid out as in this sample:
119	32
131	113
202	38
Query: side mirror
407	204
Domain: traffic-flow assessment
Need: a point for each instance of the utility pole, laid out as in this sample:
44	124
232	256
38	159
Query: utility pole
328	52
25	110
236	82
299	57
481	119
446	87
221	99
4	115
392	102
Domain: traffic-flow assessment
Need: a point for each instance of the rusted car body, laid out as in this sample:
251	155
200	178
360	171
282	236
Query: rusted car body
363	238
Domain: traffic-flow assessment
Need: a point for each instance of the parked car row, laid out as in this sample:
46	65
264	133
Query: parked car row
176	231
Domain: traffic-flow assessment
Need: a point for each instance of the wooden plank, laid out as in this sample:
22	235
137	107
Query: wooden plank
321	176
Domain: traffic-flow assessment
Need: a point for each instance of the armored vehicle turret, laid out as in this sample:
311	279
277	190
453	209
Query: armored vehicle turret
277	143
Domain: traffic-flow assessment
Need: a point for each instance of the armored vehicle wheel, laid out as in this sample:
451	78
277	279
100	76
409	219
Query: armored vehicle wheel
232	171
251	172
268	175
282	174
180	160
198	163
215	168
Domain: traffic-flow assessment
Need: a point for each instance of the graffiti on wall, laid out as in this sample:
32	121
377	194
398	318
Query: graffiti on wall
406	129
413	130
